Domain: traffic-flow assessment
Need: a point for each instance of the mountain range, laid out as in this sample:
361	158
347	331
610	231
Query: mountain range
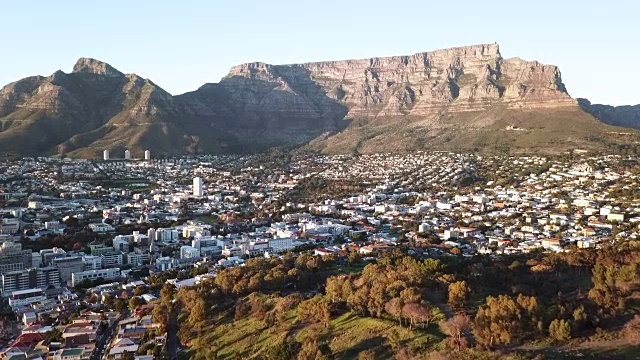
465	99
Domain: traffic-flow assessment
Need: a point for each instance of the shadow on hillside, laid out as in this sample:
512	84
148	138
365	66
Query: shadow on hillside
377	344
287	110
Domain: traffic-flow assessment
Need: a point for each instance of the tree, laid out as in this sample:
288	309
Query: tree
579	316
257	307
167	293
560	330
53	335
498	322
315	309
433	268
410	295
377	299
458	293
311	351
136	302
84	284
108	301
333	289
417	314
394	308
611	285
280	351
359	299
455	328
198	315
140	290
120	305
161	313
146	349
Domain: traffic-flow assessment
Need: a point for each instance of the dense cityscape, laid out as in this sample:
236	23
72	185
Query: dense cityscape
95	253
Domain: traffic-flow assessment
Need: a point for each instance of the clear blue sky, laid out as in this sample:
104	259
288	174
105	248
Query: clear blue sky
596	44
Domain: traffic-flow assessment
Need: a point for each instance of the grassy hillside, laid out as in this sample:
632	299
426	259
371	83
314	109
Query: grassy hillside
345	337
580	304
349	336
547	131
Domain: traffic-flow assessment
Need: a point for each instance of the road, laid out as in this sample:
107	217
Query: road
103	340
172	337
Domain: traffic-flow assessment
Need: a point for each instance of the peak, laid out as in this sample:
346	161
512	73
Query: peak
93	66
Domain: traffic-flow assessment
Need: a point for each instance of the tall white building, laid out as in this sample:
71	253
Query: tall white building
147	155
105	155
189	252
197	187
127	155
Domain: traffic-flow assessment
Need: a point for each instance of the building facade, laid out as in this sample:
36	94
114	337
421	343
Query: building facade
13	257
67	266
29	279
106	274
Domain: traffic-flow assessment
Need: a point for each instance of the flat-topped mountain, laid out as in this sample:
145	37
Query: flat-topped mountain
460	79
465	98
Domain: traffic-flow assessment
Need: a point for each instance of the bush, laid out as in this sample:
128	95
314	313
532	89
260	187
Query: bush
560	330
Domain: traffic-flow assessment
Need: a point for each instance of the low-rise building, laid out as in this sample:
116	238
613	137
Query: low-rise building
106	274
26	297
101	228
111	259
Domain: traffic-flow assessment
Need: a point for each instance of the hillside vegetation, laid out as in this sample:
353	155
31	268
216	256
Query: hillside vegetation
582	304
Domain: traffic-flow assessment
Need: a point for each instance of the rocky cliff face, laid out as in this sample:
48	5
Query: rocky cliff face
460	79
626	116
456	98
269	105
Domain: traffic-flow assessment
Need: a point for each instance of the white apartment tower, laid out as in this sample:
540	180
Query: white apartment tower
197	187
127	155
147	155
105	155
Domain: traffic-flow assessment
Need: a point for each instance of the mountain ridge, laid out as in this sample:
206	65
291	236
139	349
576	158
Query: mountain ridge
430	96
624	115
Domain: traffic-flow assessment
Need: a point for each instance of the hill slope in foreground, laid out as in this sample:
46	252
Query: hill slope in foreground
465	98
530	306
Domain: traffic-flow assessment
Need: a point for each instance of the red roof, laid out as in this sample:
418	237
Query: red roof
28	340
